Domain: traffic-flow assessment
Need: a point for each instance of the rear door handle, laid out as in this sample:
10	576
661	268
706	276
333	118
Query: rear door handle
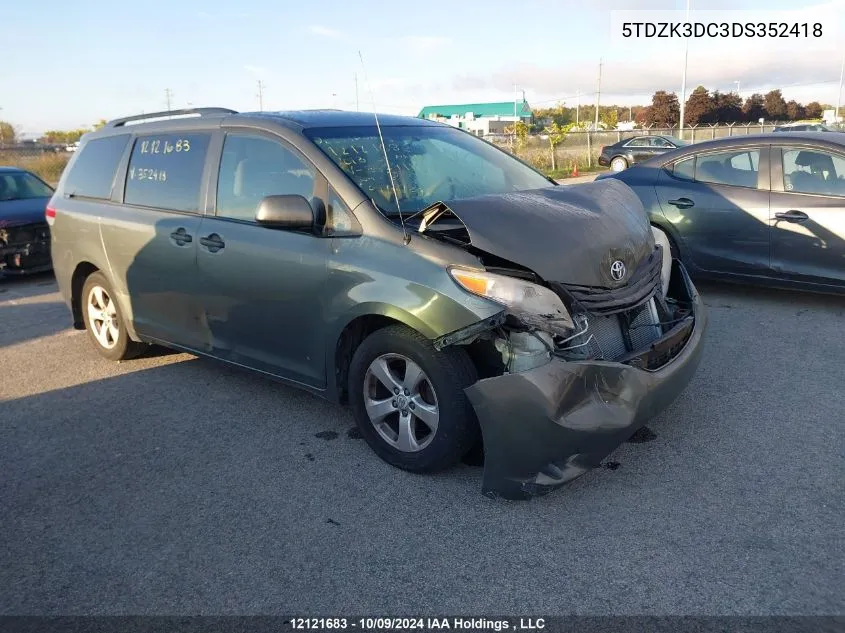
682	203
213	242
181	236
793	216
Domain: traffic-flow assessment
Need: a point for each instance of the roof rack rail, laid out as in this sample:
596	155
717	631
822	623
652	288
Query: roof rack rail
168	113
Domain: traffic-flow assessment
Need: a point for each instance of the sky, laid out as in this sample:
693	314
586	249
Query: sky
107	60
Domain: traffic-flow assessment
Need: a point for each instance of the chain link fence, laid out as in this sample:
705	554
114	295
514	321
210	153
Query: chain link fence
583	147
580	147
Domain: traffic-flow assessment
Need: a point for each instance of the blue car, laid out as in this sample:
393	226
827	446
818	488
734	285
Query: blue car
24	233
765	209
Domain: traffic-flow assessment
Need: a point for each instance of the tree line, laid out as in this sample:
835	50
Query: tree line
9	134
702	107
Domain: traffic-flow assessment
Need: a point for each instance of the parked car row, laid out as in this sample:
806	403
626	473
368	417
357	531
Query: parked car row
450	294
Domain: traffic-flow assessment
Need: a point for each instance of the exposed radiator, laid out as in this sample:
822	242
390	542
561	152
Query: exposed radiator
604	337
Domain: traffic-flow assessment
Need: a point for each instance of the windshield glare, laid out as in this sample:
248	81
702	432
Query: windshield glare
429	164
19	185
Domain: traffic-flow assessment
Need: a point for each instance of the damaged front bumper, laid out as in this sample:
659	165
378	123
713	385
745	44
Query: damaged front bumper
25	259
548	425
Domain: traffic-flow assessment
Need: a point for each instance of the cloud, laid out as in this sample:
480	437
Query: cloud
424	43
757	69
325	31
255	70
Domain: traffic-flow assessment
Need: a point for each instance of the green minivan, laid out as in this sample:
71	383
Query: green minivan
449	293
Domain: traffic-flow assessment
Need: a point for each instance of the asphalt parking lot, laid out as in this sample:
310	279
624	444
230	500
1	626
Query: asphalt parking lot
175	485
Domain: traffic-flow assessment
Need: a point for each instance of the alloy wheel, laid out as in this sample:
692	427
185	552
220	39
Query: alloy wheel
401	402
102	317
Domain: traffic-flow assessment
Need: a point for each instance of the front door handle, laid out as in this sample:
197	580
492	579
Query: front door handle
682	203
181	236
213	242
793	215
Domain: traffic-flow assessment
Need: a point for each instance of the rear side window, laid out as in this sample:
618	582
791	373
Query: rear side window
737	168
92	173
165	171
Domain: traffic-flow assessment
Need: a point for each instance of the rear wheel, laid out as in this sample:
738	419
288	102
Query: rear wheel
618	164
408	399
103	320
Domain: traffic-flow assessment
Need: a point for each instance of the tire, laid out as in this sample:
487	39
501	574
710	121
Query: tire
109	336
618	164
382	358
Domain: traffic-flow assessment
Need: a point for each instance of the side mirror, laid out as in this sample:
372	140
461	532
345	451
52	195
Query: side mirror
290	212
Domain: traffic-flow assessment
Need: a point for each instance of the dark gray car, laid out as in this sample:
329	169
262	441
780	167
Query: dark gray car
767	209
448	292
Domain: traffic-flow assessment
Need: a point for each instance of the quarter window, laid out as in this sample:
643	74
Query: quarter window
165	171
92	173
338	216
253	167
738	168
813	171
684	169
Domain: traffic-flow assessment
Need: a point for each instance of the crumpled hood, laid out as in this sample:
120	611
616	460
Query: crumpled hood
19	212
570	234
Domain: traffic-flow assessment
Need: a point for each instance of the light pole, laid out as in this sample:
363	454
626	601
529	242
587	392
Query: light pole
836	118
737	87
684	82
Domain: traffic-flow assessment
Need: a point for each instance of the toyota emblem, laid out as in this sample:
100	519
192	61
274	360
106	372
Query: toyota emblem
617	270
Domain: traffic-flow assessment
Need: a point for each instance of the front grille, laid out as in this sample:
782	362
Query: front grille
642	285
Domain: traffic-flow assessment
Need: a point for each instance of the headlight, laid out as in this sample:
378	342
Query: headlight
514	293
666	269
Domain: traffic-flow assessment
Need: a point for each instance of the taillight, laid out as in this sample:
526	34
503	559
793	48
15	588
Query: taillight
50	214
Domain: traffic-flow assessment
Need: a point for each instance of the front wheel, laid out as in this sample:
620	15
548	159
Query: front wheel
408	399
618	164
104	322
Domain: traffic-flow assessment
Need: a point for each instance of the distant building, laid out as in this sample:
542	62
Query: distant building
829	117
481	119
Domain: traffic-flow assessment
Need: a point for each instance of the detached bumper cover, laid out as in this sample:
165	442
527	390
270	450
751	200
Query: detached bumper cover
545	427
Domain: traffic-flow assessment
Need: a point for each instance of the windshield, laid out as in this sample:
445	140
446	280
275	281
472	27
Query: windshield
677	142
429	164
20	185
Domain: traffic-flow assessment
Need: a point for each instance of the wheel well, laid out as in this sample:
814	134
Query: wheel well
352	336
82	272
622	156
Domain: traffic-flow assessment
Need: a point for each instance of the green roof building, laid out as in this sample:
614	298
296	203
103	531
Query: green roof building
482	119
503	110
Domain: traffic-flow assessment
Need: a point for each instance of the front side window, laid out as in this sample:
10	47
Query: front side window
738	168
429	164
20	185
253	167
813	171
93	170
165	171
